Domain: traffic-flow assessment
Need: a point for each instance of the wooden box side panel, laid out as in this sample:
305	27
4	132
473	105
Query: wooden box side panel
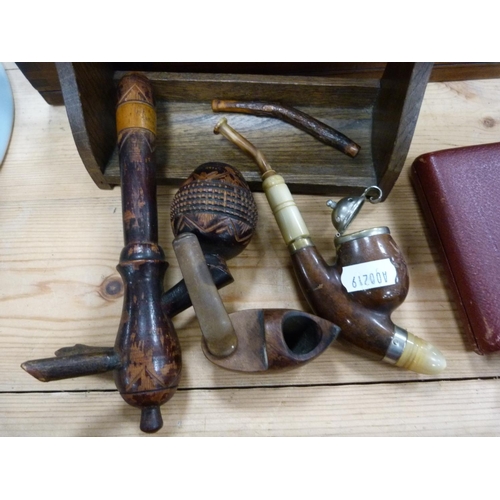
295	91
44	78
90	96
395	115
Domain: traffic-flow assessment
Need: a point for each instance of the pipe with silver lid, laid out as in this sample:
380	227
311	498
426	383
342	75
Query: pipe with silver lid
368	281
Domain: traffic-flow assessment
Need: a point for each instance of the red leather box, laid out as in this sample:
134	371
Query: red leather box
459	192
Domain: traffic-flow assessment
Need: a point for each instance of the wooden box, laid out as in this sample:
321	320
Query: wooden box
379	114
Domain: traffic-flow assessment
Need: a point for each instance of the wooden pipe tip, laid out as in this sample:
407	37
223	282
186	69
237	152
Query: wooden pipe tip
352	149
151	419
215	105
135	87
30	368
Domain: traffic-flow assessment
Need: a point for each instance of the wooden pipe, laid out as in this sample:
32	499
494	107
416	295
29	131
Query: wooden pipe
251	340
321	131
362	311
146	358
216	204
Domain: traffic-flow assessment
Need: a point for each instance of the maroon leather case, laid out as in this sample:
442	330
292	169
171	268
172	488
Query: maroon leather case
459	192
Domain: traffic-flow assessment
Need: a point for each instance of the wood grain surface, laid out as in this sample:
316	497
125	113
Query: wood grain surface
60	241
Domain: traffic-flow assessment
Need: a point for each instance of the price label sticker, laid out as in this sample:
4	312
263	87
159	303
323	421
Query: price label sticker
368	275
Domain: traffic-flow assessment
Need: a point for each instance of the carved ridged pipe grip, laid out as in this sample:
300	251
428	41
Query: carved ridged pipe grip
146	358
215	204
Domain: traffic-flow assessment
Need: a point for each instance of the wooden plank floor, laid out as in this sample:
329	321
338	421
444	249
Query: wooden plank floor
61	238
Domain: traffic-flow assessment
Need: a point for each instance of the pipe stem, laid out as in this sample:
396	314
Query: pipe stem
245	145
319	130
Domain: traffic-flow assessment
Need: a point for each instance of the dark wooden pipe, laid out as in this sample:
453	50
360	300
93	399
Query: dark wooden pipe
362	312
321	131
146	358
365	315
275	339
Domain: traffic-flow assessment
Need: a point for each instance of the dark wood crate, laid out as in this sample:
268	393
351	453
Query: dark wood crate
380	114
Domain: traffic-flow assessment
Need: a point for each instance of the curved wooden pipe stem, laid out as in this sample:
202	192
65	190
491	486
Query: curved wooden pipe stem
287	215
321	131
231	135
364	317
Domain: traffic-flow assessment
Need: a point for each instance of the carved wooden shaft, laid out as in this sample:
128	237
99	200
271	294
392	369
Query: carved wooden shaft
146	341
75	361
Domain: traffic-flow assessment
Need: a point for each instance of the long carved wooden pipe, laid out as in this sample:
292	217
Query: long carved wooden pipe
146	358
176	299
363	314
